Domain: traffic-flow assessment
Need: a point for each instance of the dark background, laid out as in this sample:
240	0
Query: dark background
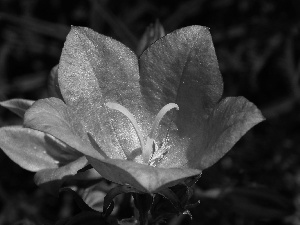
258	47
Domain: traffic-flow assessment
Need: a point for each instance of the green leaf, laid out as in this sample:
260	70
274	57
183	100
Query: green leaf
144	178
182	68
52	84
28	148
17	106
227	123
95	69
53	116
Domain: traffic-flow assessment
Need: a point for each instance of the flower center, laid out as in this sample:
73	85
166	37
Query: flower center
151	152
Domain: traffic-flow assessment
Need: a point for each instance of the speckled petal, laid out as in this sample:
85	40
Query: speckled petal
53	116
182	68
142	177
95	69
28	148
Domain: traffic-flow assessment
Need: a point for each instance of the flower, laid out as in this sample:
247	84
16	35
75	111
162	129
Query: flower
55	162
150	122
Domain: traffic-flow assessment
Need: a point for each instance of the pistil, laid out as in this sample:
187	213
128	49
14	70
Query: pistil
151	146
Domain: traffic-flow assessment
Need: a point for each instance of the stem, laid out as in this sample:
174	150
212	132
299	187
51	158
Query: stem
143	204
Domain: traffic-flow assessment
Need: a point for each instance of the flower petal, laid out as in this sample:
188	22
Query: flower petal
182	68
229	121
53	116
52	179
28	148
140	176
17	106
95	69
52	84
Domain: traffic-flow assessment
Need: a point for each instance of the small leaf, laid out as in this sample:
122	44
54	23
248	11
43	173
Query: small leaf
17	106
52	84
28	148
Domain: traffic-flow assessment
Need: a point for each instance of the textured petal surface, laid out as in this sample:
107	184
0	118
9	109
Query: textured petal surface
95	69
53	116
229	121
182	68
17	106
53	178
226	124
28	148
142	177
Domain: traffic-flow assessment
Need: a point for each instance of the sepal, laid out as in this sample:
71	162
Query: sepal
108	204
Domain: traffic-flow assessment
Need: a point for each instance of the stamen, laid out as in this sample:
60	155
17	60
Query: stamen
131	118
159	117
150	147
148	150
160	154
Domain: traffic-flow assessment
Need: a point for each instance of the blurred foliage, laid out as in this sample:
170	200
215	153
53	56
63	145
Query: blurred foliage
258	47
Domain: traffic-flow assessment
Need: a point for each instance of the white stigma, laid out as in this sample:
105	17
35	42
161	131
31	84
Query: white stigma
151	146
